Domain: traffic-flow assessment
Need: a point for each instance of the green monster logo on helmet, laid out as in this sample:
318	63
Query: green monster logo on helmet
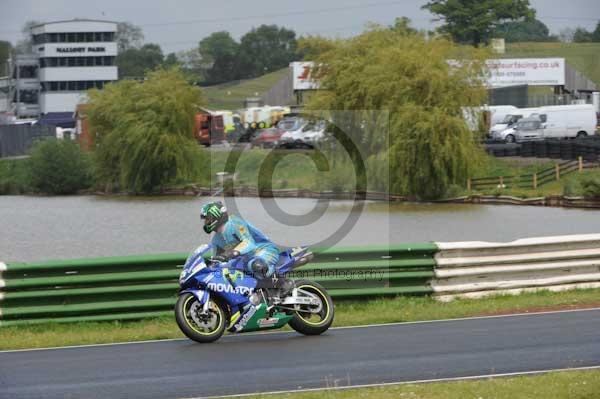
214	215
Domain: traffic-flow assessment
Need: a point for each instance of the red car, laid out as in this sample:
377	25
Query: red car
267	138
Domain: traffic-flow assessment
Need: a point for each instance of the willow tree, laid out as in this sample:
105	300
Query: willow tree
423	95
143	131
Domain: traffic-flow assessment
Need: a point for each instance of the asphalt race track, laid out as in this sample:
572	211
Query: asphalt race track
288	361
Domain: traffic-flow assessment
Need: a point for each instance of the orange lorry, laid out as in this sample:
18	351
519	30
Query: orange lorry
209	128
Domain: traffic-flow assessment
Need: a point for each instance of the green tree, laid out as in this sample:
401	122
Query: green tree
311	46
192	65
524	31
403	24
582	35
265	49
5	49
129	36
474	21
219	53
24	45
134	63
171	60
144	131
430	146
58	167
596	33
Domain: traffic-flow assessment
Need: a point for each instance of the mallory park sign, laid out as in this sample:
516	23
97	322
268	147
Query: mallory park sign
81	49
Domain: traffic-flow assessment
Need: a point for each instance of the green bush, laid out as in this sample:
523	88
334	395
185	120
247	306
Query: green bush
591	187
572	188
58	167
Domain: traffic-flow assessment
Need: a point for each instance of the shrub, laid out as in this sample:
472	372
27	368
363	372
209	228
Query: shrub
591	187
14	176
58	167
572	188
454	191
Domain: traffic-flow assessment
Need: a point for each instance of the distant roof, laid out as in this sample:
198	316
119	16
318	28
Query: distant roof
73	20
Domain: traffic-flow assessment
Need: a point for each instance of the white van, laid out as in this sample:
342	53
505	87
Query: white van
498	112
562	121
503	131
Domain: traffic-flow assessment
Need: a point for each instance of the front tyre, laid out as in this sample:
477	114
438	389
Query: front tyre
310	319
195	324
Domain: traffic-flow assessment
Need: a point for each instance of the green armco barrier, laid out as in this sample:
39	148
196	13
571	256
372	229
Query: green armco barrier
144	286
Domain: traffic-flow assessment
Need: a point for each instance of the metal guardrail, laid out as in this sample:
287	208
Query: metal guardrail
476	269
136	287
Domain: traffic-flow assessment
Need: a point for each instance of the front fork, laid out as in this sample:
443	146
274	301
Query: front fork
202	296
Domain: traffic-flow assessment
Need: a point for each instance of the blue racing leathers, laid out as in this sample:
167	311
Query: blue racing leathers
239	235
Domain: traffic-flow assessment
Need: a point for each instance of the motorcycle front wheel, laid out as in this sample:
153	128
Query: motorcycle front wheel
196	325
311	319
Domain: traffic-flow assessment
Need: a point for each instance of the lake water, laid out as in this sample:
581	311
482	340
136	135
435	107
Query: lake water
41	228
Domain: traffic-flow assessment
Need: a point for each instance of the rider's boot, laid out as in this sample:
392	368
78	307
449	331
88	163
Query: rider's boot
285	286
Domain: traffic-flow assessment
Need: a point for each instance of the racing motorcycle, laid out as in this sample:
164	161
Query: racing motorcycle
216	295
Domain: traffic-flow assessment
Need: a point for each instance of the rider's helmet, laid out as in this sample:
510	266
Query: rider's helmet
214	215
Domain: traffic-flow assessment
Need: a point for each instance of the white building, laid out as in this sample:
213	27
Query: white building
70	58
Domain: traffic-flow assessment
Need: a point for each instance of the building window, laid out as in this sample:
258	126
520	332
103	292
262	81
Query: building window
48	62
73	37
77	85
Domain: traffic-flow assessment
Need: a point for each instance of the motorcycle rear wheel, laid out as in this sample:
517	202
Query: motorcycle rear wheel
313	323
214	325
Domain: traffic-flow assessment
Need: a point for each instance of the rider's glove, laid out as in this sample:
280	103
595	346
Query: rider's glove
227	255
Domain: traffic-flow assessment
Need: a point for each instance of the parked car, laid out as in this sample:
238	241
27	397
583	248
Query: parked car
529	128
267	138
313	133
292	128
500	131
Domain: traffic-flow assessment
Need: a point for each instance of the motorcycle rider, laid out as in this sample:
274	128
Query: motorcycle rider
236	237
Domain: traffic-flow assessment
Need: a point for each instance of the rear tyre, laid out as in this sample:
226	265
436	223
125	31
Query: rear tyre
306	322
581	135
196	326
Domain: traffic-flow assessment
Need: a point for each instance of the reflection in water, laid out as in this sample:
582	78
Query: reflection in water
39	228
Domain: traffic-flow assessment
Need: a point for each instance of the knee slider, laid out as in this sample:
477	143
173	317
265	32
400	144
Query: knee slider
259	268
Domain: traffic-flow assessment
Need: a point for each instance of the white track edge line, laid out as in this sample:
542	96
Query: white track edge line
448	379
293	332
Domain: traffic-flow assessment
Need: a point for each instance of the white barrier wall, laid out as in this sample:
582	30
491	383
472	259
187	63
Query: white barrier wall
474	269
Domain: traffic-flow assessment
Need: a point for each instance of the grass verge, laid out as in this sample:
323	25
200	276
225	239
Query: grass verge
555	385
348	313
231	95
569	184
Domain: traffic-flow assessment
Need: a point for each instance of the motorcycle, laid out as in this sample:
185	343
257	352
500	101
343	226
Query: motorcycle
216	295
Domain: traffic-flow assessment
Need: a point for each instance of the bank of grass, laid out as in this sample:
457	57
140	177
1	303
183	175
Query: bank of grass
568	185
584	57
231	95
348	313
555	385
281	169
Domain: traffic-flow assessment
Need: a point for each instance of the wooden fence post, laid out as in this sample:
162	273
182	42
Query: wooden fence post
580	159
501	181
557	168
535	181
469	184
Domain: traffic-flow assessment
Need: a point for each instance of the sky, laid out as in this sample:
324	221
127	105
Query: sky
180	24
